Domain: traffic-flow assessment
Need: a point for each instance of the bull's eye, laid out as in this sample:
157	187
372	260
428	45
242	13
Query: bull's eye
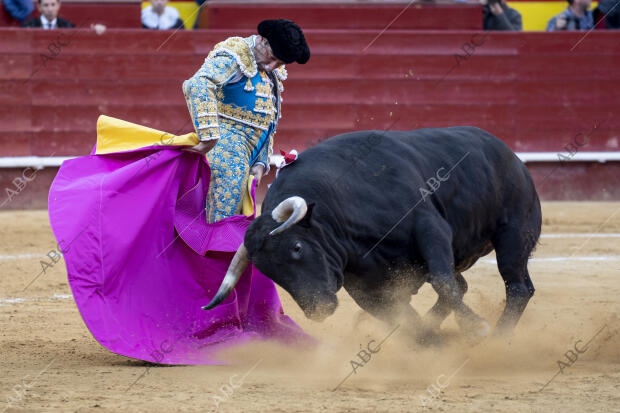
296	250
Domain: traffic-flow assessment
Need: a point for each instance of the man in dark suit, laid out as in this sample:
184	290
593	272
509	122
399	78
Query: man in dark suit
49	16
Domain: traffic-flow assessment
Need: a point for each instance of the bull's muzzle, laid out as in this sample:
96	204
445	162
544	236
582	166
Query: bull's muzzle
318	309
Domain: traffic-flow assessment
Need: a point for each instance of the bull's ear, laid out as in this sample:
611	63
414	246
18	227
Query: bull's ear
305	221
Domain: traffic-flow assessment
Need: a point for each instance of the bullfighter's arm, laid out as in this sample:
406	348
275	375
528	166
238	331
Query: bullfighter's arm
203	103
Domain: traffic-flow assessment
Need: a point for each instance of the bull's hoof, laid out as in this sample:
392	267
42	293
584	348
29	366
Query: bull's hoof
483	329
475	328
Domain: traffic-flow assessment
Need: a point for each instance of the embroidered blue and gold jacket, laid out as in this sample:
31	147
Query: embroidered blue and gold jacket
232	101
229	95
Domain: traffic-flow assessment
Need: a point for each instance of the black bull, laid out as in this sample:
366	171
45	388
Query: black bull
381	219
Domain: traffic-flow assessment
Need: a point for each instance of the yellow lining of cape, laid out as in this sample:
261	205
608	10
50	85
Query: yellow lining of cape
116	135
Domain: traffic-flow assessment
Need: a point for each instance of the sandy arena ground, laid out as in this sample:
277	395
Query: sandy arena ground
50	362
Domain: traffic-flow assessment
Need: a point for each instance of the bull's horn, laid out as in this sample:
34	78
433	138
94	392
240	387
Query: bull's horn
235	270
290	211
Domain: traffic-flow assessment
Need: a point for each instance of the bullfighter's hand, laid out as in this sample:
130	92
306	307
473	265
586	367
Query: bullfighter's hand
203	147
258	171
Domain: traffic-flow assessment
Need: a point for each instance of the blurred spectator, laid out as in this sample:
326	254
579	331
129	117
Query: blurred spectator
498	16
609	10
161	17
575	17
49	16
19	9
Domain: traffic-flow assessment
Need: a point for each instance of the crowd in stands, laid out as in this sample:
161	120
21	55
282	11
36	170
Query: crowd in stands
496	15
577	16
48	18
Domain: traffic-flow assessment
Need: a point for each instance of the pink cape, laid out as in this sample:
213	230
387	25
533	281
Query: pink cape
131	226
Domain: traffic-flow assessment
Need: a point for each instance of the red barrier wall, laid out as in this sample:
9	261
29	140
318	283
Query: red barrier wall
535	91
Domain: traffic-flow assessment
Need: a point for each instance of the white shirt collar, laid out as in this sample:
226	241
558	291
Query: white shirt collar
44	22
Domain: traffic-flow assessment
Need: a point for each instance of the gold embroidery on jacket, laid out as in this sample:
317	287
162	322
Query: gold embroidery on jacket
245	116
240	50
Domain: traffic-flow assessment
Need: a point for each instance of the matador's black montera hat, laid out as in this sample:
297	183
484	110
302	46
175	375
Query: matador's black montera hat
286	39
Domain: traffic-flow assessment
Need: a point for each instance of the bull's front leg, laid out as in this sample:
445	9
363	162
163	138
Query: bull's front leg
438	313
434	241
390	304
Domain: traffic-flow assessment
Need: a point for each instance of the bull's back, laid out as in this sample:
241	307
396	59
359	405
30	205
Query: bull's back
488	186
382	178
462	160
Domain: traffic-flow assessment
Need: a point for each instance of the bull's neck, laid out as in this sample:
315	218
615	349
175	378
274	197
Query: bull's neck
338	241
